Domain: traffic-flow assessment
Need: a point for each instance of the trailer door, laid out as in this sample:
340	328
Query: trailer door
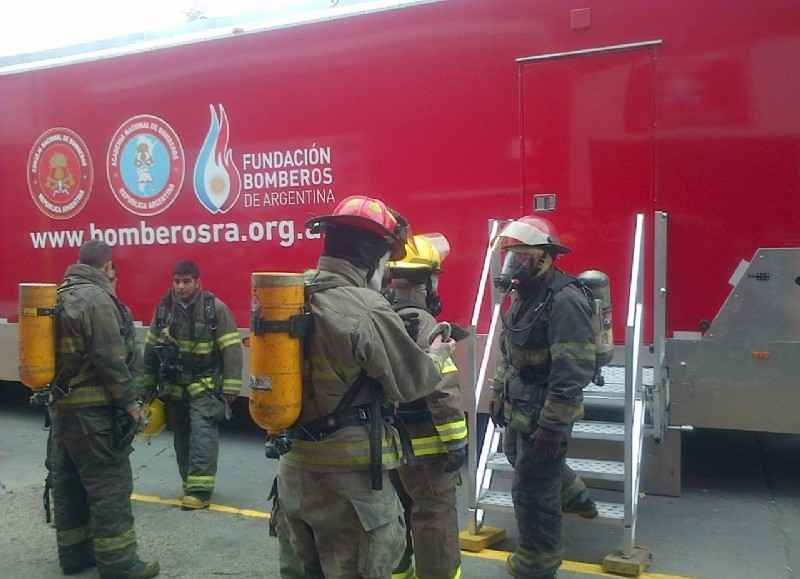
588	155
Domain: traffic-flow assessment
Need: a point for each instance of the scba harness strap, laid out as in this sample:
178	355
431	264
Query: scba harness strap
168	350
345	414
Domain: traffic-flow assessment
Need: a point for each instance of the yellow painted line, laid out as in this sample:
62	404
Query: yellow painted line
211	507
493	554
575	566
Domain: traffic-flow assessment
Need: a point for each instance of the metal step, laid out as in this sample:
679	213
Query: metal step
589	430
612	470
587	468
502	501
612	393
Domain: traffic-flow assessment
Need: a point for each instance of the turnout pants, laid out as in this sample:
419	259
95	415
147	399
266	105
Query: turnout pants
195	424
334	526
92	486
428	496
536	492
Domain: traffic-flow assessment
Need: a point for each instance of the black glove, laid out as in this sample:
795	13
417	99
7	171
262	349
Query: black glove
496	410
457	332
455	458
546	444
411	323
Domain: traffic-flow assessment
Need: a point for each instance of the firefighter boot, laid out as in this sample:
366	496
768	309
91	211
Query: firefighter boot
586	508
519	566
139	570
194	501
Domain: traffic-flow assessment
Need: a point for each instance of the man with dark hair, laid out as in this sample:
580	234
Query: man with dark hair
193	356
340	516
94	416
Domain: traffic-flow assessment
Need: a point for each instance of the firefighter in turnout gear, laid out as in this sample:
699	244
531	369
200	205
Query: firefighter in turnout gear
340	517
548	357
436	425
94	416
193	356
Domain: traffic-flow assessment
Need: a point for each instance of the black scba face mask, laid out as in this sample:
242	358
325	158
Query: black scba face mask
521	269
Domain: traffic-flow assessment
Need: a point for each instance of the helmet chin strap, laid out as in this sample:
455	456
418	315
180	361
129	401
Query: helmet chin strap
375	281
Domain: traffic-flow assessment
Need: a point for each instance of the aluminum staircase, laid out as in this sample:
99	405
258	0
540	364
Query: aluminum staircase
619	406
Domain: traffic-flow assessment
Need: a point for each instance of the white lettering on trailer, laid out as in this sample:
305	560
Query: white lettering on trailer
143	235
279	159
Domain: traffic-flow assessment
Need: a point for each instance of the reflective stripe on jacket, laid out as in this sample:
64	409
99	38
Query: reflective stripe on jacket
199	358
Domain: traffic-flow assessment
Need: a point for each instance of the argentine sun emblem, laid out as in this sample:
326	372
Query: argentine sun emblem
217	182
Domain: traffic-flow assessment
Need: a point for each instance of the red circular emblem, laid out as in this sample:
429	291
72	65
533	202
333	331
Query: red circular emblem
60	173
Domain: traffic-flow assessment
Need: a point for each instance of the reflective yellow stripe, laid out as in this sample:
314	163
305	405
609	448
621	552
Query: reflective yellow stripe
232	384
73	536
151	339
353	453
229	339
427	446
199	483
452	431
86	395
201	348
70	344
573	351
449	366
116	543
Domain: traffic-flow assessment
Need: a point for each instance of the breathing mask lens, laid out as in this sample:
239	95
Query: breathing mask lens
520	269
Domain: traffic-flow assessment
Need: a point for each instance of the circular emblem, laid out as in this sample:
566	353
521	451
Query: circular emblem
60	173
145	165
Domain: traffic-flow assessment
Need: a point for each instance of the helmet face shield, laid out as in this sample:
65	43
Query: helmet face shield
528	232
520	268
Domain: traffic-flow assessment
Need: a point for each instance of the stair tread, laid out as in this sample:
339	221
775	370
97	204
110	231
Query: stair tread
598	430
502	501
586	467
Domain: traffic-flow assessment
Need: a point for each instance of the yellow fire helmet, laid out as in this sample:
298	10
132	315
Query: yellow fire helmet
154	418
431	250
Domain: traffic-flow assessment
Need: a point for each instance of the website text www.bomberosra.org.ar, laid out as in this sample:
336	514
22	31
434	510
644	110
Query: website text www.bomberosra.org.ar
283	232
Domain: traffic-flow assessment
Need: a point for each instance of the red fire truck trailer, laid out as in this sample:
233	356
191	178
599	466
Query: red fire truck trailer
216	146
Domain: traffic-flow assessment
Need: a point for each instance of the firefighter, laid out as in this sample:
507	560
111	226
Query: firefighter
437	428
94	416
548	357
340	515
193	357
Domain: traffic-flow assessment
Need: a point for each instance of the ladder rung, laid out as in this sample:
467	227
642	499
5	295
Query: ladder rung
599	430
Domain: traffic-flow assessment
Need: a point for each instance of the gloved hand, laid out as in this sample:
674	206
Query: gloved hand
546	444
411	323
455	458
457	332
496	410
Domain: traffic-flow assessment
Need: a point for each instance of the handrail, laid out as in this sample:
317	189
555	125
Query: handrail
660	393
634	400
479	477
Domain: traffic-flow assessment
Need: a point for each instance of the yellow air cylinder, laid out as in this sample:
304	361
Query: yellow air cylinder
37	348
276	356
